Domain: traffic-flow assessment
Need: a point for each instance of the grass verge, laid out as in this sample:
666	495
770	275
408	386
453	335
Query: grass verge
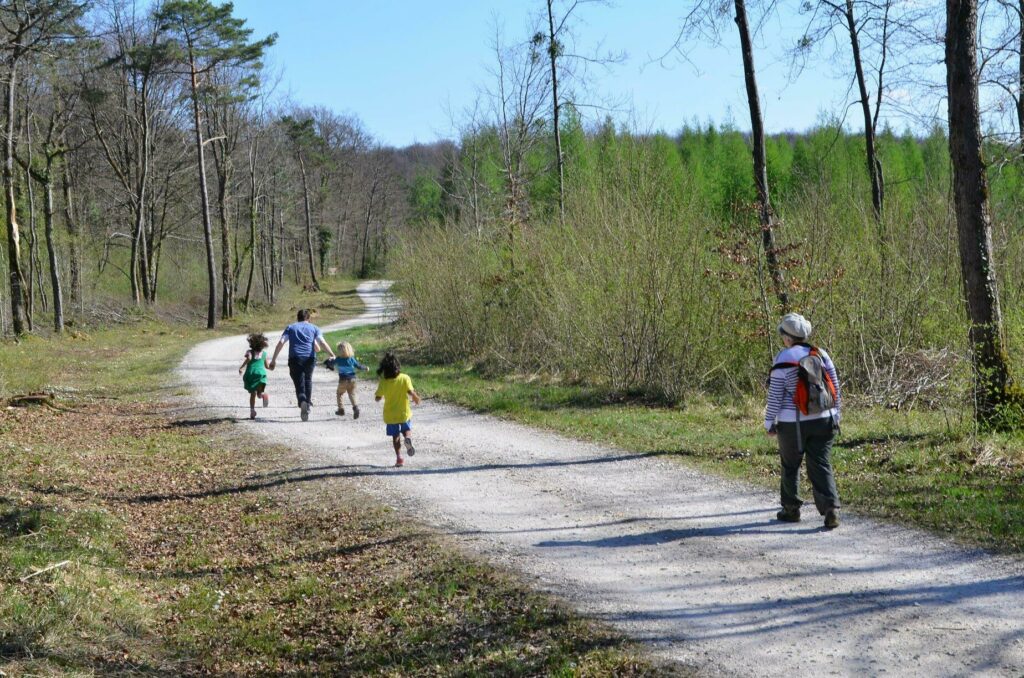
919	468
133	541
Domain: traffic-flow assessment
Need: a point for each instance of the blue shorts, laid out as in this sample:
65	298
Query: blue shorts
398	429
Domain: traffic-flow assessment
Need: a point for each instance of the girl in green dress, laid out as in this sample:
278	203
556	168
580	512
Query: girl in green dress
254	372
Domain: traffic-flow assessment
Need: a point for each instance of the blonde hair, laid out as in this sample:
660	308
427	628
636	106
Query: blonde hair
345	350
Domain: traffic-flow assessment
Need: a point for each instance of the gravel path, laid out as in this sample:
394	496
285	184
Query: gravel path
689	563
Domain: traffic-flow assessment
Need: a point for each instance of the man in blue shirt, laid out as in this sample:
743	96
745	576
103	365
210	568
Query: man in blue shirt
303	338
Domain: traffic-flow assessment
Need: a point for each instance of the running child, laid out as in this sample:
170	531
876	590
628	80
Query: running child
396	390
254	372
346	365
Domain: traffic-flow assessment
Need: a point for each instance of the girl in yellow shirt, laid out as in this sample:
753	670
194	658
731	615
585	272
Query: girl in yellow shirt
396	389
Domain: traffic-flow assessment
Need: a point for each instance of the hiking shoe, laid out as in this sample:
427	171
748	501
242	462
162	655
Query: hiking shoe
304	410
355	412
399	462
340	412
831	519
788	515
266	399
409	448
252	413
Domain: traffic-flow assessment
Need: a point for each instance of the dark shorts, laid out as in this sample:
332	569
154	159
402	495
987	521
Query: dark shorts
398	429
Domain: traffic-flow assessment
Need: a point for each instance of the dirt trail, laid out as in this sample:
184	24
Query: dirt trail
692	564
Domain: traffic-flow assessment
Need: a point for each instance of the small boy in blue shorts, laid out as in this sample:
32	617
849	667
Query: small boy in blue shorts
396	389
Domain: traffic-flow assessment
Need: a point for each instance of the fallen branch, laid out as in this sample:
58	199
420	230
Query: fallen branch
46	569
28	399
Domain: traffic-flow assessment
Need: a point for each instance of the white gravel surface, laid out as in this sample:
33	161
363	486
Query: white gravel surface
692	564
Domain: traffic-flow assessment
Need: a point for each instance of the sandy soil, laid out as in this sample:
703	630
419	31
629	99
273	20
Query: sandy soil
694	565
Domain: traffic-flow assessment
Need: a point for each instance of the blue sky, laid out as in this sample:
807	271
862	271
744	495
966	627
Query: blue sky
403	66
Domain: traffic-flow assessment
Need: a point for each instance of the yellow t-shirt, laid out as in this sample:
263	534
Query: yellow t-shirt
396	399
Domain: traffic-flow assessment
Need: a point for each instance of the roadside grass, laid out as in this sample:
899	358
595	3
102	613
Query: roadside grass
921	468
186	547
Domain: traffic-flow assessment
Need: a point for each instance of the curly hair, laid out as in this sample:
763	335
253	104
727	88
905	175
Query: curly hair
257	341
389	366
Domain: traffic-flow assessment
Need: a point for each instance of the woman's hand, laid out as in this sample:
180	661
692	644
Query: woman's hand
272	365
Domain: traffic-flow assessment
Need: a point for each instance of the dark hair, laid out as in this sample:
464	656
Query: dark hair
389	366
257	342
303	315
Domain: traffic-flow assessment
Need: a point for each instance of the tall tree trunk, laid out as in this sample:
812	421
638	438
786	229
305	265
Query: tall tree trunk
139	239
363	271
253	215
19	322
51	249
766	217
211	266
1020	73
227	299
970	199
556	110
71	226
874	165
33	248
272	253
309	223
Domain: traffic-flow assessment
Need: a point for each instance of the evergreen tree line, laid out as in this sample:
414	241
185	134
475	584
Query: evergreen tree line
658	266
147	157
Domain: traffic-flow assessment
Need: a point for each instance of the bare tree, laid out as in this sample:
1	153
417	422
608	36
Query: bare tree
562	63
305	140
518	100
63	97
26	27
704	19
970	199
204	37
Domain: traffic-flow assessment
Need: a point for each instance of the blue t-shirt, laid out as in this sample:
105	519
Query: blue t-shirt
301	338
347	367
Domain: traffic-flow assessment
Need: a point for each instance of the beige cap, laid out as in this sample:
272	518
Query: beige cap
795	325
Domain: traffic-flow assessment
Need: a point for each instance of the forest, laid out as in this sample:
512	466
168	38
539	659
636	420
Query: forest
149	158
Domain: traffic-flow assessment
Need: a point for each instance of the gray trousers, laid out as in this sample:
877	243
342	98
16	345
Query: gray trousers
816	436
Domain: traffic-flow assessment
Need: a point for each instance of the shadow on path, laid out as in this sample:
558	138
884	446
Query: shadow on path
762	617
670	535
364	470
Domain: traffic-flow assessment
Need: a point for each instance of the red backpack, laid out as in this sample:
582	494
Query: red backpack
815	392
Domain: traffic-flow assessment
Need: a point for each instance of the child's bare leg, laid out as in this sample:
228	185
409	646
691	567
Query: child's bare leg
408	444
252	400
397	442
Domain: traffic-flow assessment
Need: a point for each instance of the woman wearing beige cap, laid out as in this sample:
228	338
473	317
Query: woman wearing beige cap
803	411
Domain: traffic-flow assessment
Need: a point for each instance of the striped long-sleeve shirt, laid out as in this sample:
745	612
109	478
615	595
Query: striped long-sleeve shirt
782	386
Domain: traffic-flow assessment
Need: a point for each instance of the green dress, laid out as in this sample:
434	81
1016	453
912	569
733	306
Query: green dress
255	374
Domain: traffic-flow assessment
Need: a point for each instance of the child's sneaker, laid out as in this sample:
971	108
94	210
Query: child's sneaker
355	411
266	399
399	462
252	413
304	410
409	448
340	411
